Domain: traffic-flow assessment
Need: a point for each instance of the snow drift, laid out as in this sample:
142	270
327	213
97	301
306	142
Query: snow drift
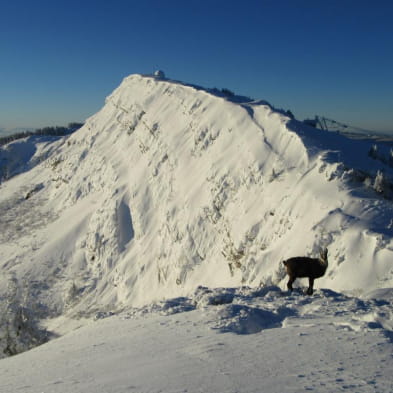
170	186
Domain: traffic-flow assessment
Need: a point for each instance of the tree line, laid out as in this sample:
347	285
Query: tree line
53	131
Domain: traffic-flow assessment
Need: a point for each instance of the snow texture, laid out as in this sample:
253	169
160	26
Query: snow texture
169	193
222	340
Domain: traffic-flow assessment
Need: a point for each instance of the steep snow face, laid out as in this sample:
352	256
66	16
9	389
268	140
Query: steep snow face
169	187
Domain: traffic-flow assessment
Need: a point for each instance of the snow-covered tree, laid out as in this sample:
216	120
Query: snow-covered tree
380	183
373	152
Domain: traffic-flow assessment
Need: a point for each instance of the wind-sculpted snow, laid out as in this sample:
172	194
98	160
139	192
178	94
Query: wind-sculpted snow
170	187
245	310
221	340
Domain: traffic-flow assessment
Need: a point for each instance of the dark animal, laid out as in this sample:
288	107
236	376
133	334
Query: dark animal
312	268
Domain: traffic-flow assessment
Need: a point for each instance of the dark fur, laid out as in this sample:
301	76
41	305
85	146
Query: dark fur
312	268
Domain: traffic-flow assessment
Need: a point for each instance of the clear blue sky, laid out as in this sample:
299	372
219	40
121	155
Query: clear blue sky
60	59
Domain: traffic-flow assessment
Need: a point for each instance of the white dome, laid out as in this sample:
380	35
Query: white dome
159	74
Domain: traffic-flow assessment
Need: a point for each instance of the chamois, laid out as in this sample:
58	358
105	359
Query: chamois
306	267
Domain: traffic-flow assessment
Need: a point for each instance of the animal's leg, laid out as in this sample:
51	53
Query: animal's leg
290	282
310	289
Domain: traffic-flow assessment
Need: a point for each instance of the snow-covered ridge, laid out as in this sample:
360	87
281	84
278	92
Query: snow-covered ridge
169	187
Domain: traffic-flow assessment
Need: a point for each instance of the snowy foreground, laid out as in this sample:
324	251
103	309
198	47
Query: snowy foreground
221	341
169	190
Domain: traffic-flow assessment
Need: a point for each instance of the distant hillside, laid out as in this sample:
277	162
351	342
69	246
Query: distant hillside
12	135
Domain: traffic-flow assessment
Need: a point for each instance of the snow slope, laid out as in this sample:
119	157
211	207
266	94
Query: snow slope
228	340
169	187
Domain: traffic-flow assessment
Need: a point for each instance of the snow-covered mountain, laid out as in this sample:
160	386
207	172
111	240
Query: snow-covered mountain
170	187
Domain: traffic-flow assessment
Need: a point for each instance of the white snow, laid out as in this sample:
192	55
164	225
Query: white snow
168	188
259	341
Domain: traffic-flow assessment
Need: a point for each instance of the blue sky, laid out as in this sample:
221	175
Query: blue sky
60	59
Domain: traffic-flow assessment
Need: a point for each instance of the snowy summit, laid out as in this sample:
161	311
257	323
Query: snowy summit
170	211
